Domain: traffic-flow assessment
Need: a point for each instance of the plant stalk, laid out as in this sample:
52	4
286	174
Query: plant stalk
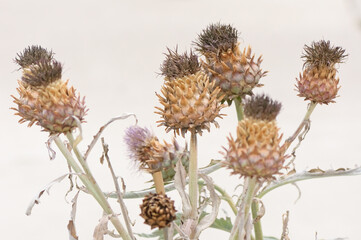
92	187
239	109
257	225
193	175
159	188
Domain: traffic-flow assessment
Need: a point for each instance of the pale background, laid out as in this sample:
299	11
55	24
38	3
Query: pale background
112	51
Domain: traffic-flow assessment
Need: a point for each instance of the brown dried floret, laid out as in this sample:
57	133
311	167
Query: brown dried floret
261	107
42	73
179	65
217	38
33	54
321	53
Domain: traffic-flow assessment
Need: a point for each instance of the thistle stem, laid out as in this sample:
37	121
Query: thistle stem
92	186
257	225
159	188
239	109
193	175
306	118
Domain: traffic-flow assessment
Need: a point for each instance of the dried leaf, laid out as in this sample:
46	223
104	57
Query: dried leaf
51	152
102	228
180	184
97	136
261	211
216	201
36	199
72	232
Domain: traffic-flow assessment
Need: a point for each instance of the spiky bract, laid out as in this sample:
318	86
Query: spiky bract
32	55
190	103
261	107
256	151
318	82
158	210
179	65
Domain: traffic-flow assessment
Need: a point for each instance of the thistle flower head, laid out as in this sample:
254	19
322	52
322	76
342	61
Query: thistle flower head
321	53
217	38
42	73
179	65
261	107
32	55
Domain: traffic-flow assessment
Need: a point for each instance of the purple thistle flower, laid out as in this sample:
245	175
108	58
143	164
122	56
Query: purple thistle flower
136	138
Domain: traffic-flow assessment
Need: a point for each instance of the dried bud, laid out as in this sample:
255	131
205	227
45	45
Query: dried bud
33	54
256	151
261	107
235	72
158	210
43	73
190	103
318	81
217	38
179	65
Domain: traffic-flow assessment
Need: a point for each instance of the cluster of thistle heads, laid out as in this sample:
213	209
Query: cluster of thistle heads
195	90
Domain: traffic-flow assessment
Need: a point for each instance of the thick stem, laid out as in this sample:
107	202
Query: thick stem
239	109
306	118
257	225
193	176
92	187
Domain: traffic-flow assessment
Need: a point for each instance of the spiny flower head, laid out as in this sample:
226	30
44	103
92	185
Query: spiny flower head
190	102
179	65
32	55
261	107
235	72
217	38
318	82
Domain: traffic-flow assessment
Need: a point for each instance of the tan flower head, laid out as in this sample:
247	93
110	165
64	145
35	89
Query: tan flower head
318	82
235	72
256	151
190	101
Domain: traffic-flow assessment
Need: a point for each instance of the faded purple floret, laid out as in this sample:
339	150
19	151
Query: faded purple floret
135	138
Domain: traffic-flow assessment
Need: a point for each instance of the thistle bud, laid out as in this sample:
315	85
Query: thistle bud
256	151
235	72
157	210
32	55
190	102
318	82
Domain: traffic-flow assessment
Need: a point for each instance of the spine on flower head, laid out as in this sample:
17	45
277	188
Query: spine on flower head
318	82
44	98
190	102
235	72
256	151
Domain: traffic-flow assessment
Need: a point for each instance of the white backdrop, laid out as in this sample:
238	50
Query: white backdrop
112	51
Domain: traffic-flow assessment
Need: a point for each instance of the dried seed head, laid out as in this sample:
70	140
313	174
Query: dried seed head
179	65
42	73
217	38
32	55
190	103
256	152
321	53
158	210
261	107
